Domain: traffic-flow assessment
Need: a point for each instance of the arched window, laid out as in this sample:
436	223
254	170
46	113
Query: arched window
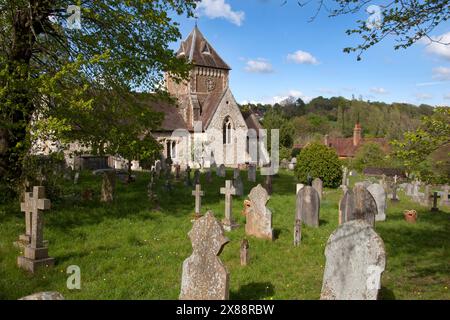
227	131
173	150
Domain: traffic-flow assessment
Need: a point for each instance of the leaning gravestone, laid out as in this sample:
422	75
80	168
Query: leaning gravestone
36	252
108	186
378	193
355	259
358	204
258	216
318	185
308	206
204	276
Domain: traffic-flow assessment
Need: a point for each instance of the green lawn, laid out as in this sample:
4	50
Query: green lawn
126	250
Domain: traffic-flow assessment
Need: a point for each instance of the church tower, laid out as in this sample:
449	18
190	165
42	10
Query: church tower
208	79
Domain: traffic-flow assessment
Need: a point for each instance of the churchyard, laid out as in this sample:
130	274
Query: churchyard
134	248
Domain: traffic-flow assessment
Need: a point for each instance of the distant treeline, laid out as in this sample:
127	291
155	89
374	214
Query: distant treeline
337	117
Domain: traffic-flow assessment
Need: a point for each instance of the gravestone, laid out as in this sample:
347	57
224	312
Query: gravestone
196	177
204	276
394	192
435	201
158	168
244	252
108	186
76	178
251	174
36	253
228	222
237	182
297	232
444	196
221	171
177	172
308	206
318	185
50	295
344	176
209	178
268	184
258	216
355	259
378	193
187	181
198	194
358	204
27	207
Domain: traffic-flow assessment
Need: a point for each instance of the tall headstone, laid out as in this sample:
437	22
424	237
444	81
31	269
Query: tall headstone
444	196
229	191
36	253
204	276
394	192
308	206
237	182
187	180
268	184
108	186
258	216
378	193
158	168
198	194
318	185
251	174
435	201
297	232
244	254
221	171
358	204
355	260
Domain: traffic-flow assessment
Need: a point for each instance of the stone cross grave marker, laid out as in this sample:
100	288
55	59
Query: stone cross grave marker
204	276
228	222
378	193
435	201
198	193
28	207
308	206
358	204
355	260
244	254
36	253
258	216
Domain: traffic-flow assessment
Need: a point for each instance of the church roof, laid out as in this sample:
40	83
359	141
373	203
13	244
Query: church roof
198	51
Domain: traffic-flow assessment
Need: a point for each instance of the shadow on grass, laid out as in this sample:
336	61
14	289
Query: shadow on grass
386	294
253	291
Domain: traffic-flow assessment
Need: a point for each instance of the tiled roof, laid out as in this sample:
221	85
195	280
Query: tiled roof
198	51
345	148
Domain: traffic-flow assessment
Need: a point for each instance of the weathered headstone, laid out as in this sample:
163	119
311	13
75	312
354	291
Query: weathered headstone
158	168
355	259
444	196
394	192
108	186
318	185
237	182
36	253
251	174
27	207
258	216
204	276
221	171
244	252
228	222
50	295
198	194
308	206
76	178
435	201
378	193
358	204
297	232
187	181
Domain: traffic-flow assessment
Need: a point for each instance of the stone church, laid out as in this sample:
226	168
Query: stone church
206	110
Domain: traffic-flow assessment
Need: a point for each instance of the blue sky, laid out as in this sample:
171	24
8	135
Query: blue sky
276	52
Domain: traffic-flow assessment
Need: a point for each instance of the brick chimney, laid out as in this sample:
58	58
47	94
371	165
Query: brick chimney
357	134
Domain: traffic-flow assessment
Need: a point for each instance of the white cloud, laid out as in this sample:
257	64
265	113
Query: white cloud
259	66
423	96
289	94
214	9
302	57
441	73
377	90
440	46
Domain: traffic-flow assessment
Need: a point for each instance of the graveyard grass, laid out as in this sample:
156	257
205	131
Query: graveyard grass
127	250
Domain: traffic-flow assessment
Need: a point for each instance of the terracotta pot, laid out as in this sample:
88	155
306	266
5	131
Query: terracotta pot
410	216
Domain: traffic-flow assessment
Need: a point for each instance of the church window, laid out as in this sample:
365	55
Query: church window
227	131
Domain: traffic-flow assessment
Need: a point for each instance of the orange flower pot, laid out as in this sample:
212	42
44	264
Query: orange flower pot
410	216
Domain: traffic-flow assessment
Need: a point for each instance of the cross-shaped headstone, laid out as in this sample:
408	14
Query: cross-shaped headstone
435	200
36	254
27	208
197	193
228	191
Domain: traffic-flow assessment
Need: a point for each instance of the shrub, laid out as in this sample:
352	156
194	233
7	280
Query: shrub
319	161
369	155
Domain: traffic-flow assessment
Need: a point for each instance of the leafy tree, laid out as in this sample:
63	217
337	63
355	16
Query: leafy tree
274	119
417	148
319	161
369	155
47	67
